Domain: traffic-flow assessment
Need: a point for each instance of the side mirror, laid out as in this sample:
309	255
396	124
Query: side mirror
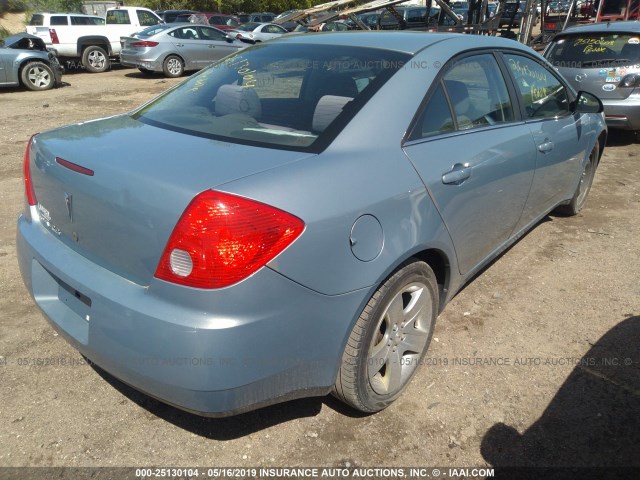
587	103
229	38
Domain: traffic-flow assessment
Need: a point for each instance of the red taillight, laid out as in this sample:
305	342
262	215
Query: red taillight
550	26
28	185
54	36
221	239
144	43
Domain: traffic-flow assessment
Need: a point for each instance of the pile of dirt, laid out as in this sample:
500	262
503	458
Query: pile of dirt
13	22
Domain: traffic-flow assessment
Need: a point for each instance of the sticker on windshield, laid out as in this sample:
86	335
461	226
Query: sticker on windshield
608	87
634	41
602	71
612	79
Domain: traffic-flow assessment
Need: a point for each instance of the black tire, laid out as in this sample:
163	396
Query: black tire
173	66
145	72
95	59
37	76
369	379
584	186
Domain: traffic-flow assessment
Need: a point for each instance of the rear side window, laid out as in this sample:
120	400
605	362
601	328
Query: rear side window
543	94
471	94
37	20
595	50
87	20
58	20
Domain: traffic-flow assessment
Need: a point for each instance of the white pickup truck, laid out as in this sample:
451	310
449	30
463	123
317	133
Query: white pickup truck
95	45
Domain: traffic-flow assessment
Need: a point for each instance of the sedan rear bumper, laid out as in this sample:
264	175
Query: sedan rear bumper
210	352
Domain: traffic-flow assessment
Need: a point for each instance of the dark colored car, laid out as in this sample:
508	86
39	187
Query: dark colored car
169	16
603	59
513	13
25	60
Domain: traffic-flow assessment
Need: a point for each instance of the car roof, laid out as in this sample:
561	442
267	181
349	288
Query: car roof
71	13
632	26
410	42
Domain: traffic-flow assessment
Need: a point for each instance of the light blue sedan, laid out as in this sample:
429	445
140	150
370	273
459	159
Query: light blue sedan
290	221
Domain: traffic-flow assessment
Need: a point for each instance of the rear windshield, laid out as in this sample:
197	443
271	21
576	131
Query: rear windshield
595	50
287	96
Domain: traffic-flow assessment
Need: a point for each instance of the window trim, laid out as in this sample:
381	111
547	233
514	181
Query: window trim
508	80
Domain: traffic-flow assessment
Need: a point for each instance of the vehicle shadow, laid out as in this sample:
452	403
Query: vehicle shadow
622	138
229	428
592	425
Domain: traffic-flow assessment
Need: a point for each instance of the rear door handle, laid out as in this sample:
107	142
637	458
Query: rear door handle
458	174
545	147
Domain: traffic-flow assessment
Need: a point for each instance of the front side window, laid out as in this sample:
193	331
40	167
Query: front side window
210	34
296	97
542	93
146	19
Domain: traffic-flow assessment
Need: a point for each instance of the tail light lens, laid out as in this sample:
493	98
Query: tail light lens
28	184
144	43
54	36
630	81
222	238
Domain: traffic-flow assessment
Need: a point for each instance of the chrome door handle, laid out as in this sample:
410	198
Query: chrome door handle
545	147
458	174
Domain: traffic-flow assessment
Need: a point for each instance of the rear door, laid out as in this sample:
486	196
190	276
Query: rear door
190	47
475	155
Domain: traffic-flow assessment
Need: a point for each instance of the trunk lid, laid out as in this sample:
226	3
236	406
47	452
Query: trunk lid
113	189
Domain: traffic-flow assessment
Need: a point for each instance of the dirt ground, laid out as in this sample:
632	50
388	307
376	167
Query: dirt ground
536	362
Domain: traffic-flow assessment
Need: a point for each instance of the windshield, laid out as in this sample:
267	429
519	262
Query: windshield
595	50
291	96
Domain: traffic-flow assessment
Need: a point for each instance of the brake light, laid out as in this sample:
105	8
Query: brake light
28	184
144	43
222	238
550	26
54	36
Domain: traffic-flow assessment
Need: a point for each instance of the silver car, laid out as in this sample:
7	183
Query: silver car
175	48
25	60
254	32
603	59
290	221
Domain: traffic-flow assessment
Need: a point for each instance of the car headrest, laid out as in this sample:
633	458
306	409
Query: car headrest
327	109
238	99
